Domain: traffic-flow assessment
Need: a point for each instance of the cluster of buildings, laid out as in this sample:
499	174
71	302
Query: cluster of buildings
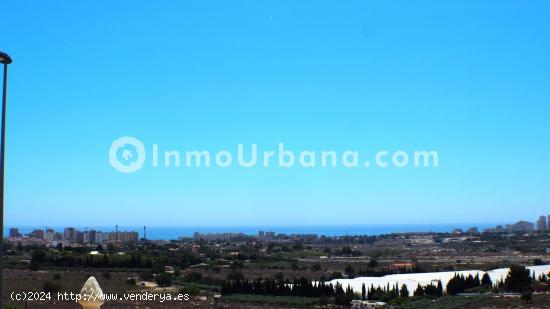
542	225
472	230
262	235
266	235
71	235
518	227
218	236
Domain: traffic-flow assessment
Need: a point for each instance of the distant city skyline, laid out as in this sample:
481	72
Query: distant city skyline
468	79
72	235
194	231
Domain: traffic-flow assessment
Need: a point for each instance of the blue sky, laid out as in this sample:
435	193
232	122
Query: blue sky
466	78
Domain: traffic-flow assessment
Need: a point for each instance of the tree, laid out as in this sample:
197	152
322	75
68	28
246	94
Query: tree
235	275
486	281
349	270
518	279
164	279
471	281
419	291
373	263
38	257
146	275
363	292
193	276
279	277
335	275
343	298
456	284
346	250
432	290
316	267
404	292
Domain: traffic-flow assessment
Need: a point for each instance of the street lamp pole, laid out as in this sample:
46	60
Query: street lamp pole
5	59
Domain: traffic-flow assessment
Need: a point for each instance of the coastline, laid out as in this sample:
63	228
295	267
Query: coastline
173	233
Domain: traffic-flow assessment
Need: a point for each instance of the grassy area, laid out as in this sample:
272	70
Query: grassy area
199	286
447	302
271	264
272	300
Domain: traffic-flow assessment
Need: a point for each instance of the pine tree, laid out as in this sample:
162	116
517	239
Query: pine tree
457	284
486	281
419	291
518	279
439	288
404	292
476	280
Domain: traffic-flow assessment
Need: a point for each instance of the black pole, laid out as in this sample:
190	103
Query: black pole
5	60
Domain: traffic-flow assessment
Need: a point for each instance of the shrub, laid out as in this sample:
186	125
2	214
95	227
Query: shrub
146	276
335	275
193	276
191	290
164	279
235	275
107	275
285	301
51	287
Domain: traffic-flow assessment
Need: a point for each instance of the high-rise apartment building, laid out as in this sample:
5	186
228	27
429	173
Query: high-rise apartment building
522	227
69	234
542	224
49	235
14	232
38	234
89	237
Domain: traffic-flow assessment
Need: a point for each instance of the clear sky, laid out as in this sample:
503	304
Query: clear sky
469	79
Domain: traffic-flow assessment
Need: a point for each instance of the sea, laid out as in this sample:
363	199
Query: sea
174	232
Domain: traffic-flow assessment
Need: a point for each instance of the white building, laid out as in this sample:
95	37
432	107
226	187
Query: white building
49	235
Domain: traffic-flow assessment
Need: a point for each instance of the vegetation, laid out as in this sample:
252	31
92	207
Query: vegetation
293	273
518	279
77	258
460	283
300	287
444	302
164	279
272	300
52	286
